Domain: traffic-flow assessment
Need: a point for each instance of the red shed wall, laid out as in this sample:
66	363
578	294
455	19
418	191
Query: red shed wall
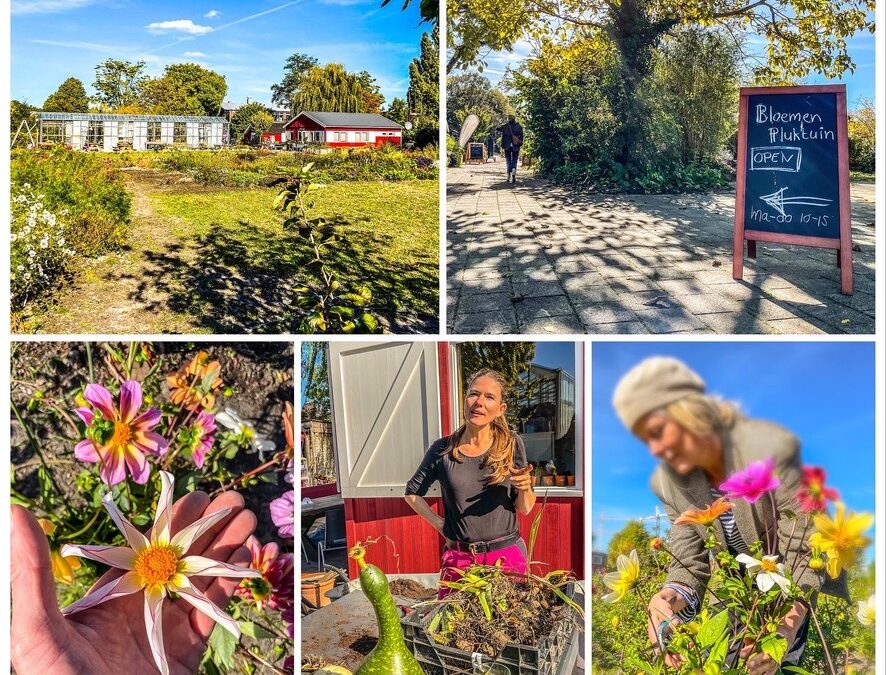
559	544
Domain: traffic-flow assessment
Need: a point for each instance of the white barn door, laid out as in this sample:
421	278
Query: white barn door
385	412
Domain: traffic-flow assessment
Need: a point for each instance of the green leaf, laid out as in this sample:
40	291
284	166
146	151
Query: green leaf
798	670
223	645
370	322
713	630
141	519
254	630
356	299
775	646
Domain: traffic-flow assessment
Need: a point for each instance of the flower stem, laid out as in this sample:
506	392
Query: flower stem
83	529
278	459
824	643
89	367
260	660
36	446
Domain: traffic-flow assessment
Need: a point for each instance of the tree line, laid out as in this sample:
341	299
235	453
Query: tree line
190	89
611	88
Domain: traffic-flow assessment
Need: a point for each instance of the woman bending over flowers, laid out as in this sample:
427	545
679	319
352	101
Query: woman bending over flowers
724	475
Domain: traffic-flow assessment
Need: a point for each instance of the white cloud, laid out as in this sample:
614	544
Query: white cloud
211	14
47	6
183	25
194	55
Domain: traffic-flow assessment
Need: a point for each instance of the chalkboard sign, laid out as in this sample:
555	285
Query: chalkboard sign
476	152
792	183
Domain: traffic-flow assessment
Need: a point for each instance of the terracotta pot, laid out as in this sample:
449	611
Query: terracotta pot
560	480
547	480
315	586
570	480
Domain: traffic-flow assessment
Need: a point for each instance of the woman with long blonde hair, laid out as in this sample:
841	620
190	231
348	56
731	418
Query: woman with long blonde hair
484	479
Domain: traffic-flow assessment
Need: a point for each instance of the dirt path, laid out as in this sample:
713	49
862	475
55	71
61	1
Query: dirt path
111	294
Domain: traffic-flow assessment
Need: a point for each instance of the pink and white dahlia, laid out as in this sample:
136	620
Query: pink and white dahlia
276	583
199	437
158	566
117	434
283	513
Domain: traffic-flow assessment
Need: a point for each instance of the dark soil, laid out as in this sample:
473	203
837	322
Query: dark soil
521	614
261	375
407	588
363	644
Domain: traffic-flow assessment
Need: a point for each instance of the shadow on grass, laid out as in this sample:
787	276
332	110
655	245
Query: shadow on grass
240	280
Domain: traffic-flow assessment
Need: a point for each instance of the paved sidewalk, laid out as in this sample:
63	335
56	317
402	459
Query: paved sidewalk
539	259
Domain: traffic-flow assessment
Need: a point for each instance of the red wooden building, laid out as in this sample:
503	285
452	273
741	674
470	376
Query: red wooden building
390	401
342	130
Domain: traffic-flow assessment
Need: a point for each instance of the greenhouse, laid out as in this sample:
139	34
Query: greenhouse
101	132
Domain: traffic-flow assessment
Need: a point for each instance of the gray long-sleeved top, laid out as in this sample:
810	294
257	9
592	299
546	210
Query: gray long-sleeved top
473	510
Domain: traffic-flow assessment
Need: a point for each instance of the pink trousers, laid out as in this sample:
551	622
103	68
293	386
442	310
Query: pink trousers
513	559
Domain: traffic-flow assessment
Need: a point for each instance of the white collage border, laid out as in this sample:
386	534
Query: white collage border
296	340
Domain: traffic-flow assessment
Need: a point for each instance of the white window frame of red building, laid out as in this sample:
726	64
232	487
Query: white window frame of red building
576	490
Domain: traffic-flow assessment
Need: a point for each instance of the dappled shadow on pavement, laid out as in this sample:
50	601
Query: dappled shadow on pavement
539	258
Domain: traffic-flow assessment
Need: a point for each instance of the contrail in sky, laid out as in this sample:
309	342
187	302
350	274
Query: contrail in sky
227	25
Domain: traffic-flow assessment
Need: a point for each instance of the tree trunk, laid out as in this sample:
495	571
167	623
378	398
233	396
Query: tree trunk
635	36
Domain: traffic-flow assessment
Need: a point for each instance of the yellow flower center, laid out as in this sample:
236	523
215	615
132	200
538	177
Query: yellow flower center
769	565
122	435
157	564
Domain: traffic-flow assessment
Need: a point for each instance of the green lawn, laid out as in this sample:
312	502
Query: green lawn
203	260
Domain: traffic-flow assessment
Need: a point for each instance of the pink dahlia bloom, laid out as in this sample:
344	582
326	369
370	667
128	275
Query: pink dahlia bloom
752	482
813	494
283	514
202	436
118	435
276	585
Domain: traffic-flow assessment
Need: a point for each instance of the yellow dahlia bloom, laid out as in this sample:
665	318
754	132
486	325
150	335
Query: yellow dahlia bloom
624	579
841	538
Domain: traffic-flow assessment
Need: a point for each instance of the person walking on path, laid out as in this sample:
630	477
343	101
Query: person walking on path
700	440
511	140
490	146
485	481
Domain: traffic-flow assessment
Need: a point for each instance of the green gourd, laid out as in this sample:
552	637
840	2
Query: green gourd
390	656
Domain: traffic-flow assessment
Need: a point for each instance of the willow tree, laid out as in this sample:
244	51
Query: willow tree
801	37
329	88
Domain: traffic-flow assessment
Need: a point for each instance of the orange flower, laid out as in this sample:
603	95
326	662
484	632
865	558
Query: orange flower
704	516
194	385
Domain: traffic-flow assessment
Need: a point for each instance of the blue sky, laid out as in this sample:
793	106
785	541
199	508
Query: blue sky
859	84
549	354
823	392
556	355
247	42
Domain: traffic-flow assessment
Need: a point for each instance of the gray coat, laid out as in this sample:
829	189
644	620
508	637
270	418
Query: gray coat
748	441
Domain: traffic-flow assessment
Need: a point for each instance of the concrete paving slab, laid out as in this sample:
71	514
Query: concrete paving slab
637	263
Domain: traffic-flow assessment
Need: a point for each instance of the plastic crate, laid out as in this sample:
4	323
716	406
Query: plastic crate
437	659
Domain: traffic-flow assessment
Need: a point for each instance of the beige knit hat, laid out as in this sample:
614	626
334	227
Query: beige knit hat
652	384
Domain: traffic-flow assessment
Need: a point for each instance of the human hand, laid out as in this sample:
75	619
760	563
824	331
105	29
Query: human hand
663	606
110	638
522	478
758	664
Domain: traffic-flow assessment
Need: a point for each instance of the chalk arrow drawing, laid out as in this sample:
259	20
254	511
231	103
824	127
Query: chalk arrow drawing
778	201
